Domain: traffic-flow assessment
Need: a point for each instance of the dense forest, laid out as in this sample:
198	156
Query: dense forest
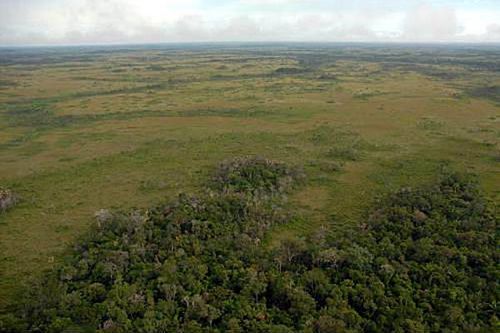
424	260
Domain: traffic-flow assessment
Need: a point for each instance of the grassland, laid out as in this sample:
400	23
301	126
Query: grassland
88	128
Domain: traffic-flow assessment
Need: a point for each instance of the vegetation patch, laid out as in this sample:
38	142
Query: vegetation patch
365	94
7	199
5	84
430	124
328	77
345	152
255	175
329	135
289	70
489	92
423	261
237	113
29	114
339	145
155	68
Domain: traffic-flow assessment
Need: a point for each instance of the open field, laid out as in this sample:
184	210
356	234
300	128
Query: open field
83	129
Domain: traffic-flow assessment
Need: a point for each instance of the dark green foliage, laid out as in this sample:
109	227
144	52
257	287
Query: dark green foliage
289	70
254	175
490	92
424	261
5	84
436	248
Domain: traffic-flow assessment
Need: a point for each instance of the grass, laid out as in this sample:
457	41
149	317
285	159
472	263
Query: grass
79	133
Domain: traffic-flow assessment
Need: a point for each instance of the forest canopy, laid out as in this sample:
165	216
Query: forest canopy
424	260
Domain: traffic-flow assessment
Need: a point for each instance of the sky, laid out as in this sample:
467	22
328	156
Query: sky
63	22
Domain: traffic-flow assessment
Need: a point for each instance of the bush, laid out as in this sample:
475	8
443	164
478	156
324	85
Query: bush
344	153
7	199
254	175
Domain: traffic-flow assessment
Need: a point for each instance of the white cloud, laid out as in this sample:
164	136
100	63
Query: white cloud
493	32
135	21
431	23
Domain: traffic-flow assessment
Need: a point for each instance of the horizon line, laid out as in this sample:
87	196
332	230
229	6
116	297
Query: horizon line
388	42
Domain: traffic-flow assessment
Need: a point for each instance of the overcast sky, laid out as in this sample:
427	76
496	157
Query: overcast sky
24	22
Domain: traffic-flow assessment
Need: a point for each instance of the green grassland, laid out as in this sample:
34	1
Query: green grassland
83	129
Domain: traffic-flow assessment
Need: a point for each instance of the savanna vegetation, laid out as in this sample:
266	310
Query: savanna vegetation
118	215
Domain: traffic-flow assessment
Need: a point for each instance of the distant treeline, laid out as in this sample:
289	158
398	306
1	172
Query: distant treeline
424	260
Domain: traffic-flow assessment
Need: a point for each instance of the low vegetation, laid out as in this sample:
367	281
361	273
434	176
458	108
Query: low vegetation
423	261
7	199
490	92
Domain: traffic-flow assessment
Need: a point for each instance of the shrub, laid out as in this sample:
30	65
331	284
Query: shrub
254	175
289	70
7	199
344	153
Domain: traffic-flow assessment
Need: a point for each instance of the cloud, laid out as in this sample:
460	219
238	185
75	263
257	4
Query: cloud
133	21
431	23
493	32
